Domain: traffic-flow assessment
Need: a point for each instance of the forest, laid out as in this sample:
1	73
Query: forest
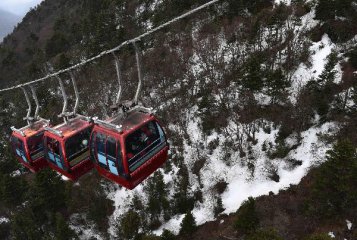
258	100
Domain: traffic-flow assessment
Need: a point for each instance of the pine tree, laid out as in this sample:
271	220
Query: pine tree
157	193
63	232
328	74
129	225
276	84
218	208
12	190
183	201
167	235
334	190
247	219
269	234
188	225
24	225
253	79
48	191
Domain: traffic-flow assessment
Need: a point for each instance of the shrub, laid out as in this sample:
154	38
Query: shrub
321	236
247	219
270	234
334	190
218	208
167	235
129	225
188	225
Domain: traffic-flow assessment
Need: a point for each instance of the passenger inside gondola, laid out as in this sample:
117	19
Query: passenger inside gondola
77	148
141	143
35	144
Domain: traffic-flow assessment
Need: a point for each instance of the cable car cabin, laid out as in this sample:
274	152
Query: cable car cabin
27	144
67	147
127	151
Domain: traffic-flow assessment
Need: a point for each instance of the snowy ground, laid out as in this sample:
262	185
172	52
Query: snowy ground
241	185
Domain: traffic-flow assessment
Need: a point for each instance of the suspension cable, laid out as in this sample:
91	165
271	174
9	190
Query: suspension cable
128	42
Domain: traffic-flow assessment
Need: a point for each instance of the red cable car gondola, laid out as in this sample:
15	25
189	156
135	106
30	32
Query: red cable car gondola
67	145
27	142
128	151
129	147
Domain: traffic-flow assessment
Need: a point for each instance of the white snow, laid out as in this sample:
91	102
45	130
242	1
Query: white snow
320	50
86	231
64	178
287	2
239	189
331	234
4	220
15	173
173	225
349	224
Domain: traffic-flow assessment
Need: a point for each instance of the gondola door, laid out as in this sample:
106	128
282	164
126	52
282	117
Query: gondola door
112	155
54	152
19	148
107	153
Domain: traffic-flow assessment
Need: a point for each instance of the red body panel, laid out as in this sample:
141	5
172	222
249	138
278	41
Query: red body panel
33	166
141	173
81	168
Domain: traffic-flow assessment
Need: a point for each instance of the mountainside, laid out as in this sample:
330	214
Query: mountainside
255	97
7	23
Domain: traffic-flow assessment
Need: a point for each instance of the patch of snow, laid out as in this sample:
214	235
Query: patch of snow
86	231
15	173
262	99
64	178
287	2
4	220
173	225
349	224
320	50
309	152
331	234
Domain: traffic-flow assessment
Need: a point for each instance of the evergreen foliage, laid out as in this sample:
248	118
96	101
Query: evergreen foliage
184	202
167	235
58	43
269	234
63	232
322	236
338	17
323	89
334	189
188	225
158	195
247	219
218	208
24	225
12	190
129	225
